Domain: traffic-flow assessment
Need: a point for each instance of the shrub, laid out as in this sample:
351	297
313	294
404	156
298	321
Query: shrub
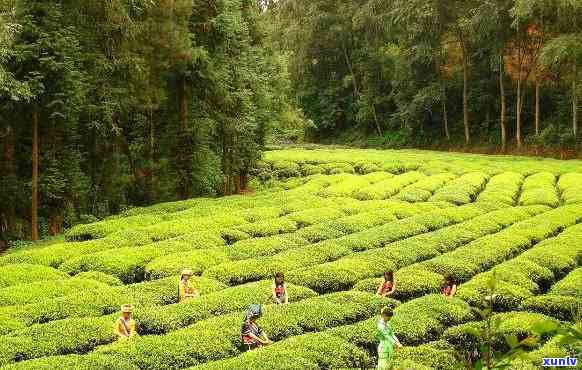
540	188
309	169
422	190
42	290
91	361
265	246
335	168
387	188
261	213
569	185
570	285
86	333
308	351
129	263
366	167
173	264
99	276
238	272
502	188
463	190
104	301
425	318
433	355
269	227
563	308
315	216
26	273
519	278
346	188
515	323
217	338
345	272
377	176
284	169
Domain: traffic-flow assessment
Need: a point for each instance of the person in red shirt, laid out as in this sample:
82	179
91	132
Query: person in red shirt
388	286
449	287
279	289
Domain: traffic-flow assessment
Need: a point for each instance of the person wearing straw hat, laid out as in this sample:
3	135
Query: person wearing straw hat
186	291
251	334
124	327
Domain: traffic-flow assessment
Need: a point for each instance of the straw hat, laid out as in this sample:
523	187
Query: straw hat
186	272
126	308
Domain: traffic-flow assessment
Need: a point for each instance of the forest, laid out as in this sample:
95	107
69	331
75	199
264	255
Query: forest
108	105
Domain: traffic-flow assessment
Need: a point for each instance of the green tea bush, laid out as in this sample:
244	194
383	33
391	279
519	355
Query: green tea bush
462	190
540	188
503	188
433	355
515	323
160	320
335	168
265	246
173	264
269	227
101	229
261	213
422	190
366	167
284	169
86	333
485	252
387	188
239	272
39	291
315	216
308	351
570	285
569	186
347	188
310	169
565	308
218	338
100	277
75	362
374	177
345	272
520	278
103	301
425	318
26	273
129	263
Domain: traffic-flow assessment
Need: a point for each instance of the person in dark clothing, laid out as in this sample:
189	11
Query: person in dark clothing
251	334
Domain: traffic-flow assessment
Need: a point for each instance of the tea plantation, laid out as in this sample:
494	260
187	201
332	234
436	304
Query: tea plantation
333	221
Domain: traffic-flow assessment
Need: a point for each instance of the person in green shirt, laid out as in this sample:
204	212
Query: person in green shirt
385	335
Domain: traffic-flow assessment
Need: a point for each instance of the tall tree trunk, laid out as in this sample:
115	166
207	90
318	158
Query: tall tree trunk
445	113
503	118
182	93
575	103
537	106
519	104
7	168
378	128
465	93
34	205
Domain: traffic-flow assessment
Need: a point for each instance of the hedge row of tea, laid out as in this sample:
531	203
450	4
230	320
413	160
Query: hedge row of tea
333	221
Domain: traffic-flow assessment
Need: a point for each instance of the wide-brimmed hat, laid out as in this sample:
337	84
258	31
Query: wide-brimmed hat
187	272
126	308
